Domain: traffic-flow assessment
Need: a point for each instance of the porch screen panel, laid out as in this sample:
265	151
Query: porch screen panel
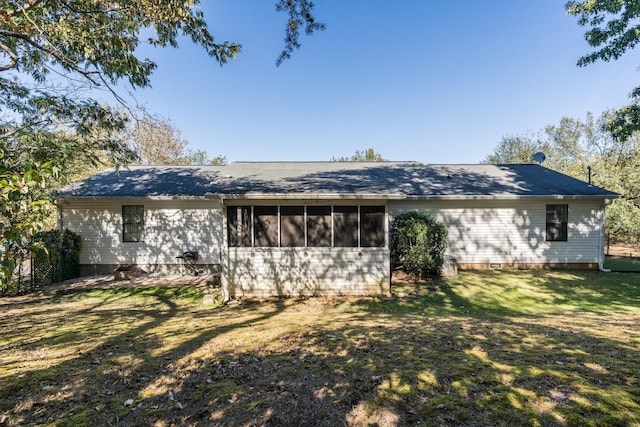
372	226
292	226
345	226
319	226
239	226
265	226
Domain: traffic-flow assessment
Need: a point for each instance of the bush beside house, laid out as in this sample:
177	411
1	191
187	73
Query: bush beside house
418	243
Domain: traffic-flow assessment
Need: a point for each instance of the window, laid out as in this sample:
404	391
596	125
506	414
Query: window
372	226
265	225
557	219
306	226
292	226
133	223
319	226
345	226
239	226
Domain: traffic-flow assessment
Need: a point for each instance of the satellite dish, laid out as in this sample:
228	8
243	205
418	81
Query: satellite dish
539	157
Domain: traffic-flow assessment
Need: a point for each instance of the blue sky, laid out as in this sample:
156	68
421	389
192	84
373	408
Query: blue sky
433	81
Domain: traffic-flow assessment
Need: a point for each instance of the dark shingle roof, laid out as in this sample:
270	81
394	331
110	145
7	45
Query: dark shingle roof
334	179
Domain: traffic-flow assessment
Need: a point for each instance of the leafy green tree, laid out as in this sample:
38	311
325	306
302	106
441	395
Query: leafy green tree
368	155
200	157
55	55
300	16
566	145
612	30
612	27
515	150
573	145
23	207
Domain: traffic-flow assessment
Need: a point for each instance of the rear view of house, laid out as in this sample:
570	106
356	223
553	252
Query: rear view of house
299	228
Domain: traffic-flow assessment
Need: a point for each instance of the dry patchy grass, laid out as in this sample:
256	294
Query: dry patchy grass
487	348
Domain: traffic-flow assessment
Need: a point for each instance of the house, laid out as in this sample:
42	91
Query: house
275	228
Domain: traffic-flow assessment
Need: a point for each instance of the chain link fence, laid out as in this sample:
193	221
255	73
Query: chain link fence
41	272
52	257
32	273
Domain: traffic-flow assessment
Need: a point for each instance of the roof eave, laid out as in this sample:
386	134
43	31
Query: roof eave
335	196
350	196
160	198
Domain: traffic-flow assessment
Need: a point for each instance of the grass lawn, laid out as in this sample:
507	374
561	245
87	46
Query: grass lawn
485	348
622	263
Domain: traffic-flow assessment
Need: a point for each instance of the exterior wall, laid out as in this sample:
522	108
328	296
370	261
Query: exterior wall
307	271
171	227
481	234
511	233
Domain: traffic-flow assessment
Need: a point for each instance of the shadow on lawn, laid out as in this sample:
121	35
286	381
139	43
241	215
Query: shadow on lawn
368	367
383	371
90	387
502	293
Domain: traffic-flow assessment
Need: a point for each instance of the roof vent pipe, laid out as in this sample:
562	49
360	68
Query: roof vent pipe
589	173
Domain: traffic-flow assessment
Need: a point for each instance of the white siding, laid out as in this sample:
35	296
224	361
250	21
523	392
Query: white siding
480	232
171	227
307	271
513	231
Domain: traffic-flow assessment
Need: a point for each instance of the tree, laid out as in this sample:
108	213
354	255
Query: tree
418	243
368	155
612	30
571	146
55	55
158	142
300	16
515	149
566	145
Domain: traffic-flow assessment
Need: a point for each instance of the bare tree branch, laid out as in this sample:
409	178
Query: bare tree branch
13	58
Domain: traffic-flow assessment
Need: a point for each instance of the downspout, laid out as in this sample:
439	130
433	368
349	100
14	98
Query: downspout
601	249
601	255
59	216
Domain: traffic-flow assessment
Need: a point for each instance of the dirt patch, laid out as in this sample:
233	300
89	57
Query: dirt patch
207	284
623	249
143	281
400	277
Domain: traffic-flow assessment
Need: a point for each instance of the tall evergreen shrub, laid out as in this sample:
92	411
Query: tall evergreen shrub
418	243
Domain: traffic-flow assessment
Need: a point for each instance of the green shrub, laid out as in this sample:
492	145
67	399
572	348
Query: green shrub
418	243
